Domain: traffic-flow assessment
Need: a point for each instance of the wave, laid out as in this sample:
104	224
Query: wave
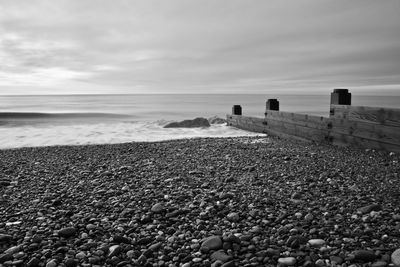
40	115
106	133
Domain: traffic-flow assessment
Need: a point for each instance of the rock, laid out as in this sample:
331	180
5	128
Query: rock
114	250
216	120
212	242
381	264
364	255
233	217
197	122
157	208
33	262
316	242
51	263
396	257
5	238
121	239
228	264
287	261
12	250
70	262
220	256
5	257
155	246
369	208
67	232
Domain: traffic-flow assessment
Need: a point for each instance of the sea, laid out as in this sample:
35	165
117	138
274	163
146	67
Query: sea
48	120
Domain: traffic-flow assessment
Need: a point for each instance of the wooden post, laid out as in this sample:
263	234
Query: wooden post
272	104
236	110
340	97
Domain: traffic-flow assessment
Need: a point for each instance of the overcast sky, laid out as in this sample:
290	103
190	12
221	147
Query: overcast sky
202	46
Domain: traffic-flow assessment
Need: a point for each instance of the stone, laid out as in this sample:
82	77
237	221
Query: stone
12	250
396	257
316	242
51	263
216	120
364	255
369	208
121	239
70	262
157	208
233	217
195	123
114	250
228	264
381	264
220	256
287	261
212	242
33	262
67	232
5	238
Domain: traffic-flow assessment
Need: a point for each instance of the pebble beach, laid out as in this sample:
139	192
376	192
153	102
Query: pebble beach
243	201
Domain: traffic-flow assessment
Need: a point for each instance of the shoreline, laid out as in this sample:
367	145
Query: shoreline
198	201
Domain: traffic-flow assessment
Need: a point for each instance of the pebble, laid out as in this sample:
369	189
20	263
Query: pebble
287	261
316	242
369	208
157	208
67	232
364	255
114	250
220	256
233	217
212	242
395	257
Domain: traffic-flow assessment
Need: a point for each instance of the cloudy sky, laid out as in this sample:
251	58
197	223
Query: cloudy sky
202	46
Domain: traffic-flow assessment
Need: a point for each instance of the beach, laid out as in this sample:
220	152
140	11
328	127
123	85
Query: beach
241	201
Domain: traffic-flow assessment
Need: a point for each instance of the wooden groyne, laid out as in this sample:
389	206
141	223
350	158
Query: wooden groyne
366	127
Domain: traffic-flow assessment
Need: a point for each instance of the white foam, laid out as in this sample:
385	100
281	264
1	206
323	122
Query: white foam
106	133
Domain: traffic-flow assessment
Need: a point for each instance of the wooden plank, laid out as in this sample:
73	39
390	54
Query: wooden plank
347	140
315	122
383	116
376	132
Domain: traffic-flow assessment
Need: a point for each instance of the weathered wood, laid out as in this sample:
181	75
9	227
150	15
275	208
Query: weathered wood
376	132
347	140
366	127
384	116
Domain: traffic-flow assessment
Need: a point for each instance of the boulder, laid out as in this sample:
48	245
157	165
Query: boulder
216	120
197	122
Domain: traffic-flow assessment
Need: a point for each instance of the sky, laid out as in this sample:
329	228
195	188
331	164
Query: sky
193	46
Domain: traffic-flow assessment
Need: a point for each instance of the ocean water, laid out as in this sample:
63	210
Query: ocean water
96	119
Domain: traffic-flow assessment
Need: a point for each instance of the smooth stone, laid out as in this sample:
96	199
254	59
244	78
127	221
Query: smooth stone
364	255
67	232
5	238
12	250
316	242
233	217
212	242
221	256
369	208
121	239
380	264
114	250
33	262
157	208
70	262
396	257
287	261
51	263
228	264
197	122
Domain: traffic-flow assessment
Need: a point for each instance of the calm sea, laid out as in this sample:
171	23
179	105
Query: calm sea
94	119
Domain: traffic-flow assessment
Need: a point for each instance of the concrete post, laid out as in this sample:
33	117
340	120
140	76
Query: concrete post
340	97
272	104
236	110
